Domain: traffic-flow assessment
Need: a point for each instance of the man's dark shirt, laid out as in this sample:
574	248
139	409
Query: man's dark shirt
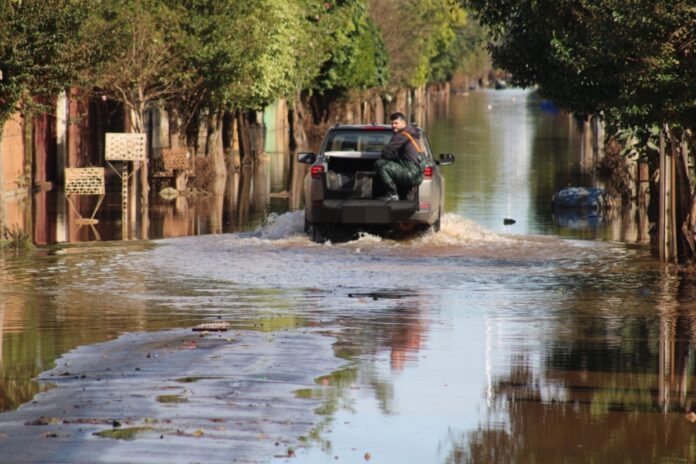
400	146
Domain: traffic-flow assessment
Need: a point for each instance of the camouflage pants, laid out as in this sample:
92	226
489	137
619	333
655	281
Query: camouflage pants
399	175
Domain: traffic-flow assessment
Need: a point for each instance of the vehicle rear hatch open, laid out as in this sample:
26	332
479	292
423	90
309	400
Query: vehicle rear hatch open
350	175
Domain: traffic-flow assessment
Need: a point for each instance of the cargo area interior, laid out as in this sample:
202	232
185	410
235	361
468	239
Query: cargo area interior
355	177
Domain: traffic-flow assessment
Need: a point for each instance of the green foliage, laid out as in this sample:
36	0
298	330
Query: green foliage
356	55
439	39
638	142
136	55
467	53
426	39
244	55
632	61
38	44
223	53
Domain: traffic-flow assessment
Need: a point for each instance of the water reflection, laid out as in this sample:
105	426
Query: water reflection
613	386
465	346
512	156
249	196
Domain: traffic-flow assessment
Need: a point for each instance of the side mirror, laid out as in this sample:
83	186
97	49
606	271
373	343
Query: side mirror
306	158
446	159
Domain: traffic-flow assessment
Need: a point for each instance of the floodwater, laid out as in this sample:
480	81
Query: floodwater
548	340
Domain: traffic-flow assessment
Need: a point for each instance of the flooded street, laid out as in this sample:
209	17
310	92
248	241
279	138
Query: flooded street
548	340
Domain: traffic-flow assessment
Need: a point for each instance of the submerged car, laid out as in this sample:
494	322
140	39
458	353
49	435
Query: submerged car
341	189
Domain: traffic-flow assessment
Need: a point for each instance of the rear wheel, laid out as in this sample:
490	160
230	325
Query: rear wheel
317	233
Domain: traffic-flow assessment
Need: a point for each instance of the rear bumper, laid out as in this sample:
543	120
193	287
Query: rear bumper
355	211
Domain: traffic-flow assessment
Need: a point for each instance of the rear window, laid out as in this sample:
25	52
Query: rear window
359	141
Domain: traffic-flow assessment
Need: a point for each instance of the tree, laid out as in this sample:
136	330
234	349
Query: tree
356	55
630	61
421	38
37	50
244	55
137	55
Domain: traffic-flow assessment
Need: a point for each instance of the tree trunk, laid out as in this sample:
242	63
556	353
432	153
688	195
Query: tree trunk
2	182
687	202
244	194
61	135
215	149
597	138
682	197
643	197
298	138
667	219
244	141
586	147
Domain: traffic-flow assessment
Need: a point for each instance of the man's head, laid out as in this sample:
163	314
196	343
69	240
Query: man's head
398	121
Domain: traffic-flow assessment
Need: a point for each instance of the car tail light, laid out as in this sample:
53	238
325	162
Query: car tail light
428	172
424	205
317	171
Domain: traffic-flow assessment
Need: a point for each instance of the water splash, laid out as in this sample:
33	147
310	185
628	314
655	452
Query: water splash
280	226
455	230
458	230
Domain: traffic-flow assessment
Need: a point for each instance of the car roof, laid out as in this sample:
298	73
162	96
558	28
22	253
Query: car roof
358	127
364	127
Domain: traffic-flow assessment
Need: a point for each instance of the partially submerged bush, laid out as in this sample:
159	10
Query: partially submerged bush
15	239
613	169
205	175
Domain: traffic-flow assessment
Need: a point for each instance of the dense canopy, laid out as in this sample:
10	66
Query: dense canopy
224	53
632	61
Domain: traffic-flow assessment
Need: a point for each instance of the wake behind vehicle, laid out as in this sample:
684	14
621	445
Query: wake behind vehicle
341	190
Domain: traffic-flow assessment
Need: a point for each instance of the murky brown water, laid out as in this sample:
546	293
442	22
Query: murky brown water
482	343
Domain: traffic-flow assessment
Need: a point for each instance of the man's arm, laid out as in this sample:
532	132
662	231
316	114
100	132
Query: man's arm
391	151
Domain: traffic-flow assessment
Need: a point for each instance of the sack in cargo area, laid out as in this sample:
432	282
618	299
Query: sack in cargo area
363	184
339	180
356	185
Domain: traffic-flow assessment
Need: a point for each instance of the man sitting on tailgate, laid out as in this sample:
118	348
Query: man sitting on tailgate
402	161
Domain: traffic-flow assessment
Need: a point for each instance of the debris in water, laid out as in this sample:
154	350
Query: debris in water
171	399
123	434
43	420
212	327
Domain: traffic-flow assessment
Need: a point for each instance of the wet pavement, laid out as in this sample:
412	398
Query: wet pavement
121	401
481	343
